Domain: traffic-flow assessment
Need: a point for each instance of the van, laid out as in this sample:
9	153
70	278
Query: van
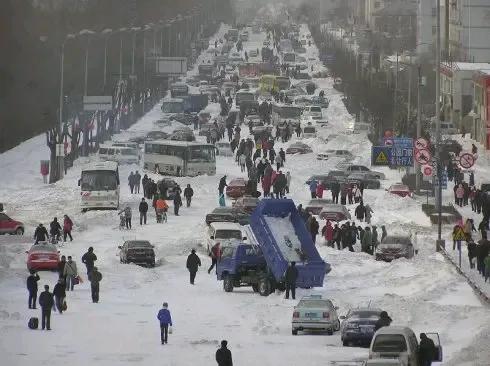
309	131
225	233
400	342
120	154
312	111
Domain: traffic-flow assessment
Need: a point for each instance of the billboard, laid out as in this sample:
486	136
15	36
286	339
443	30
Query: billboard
171	66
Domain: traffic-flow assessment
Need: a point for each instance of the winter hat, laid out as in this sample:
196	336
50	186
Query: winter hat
165	305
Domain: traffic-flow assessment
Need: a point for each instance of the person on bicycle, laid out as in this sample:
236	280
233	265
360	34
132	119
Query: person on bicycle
161	207
55	230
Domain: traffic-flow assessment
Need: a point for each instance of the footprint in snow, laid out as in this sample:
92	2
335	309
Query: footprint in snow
15	316
4	314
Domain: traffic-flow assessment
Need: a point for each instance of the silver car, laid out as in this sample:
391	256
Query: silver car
315	313
364	169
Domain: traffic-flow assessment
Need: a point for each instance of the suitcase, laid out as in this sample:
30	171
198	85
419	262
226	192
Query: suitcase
33	323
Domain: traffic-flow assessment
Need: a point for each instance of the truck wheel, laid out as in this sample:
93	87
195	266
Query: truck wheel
255	288
228	283
264	287
294	332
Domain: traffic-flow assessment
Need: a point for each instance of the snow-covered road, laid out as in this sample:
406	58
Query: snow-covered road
424	293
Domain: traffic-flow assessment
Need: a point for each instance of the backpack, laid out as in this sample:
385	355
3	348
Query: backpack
33	323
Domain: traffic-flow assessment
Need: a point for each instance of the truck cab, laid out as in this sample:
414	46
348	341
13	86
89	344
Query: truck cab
243	265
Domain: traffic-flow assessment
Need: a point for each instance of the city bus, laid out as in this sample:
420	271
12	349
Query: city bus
269	83
99	186
180	158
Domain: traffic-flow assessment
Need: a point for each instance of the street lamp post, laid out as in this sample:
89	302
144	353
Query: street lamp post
169	38
134	31
62	71
88	33
121	31
106	33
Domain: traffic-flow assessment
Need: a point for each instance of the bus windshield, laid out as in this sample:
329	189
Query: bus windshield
173	107
99	180
204	154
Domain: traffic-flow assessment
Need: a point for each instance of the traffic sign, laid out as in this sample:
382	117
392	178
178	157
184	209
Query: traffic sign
427	170
422	156
402	152
466	160
388	141
381	155
459	234
421	143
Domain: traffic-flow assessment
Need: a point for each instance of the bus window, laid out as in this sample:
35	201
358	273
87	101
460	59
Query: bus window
174	151
149	148
201	154
97	180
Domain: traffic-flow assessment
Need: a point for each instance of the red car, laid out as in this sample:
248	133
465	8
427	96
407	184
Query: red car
43	256
236	188
401	190
10	226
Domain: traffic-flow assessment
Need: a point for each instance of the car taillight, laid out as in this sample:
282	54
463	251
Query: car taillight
326	315
296	314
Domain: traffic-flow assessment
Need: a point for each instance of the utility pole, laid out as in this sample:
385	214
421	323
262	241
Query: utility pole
440	242
409	97
419	125
395	92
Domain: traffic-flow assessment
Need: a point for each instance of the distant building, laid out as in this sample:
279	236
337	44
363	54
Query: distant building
480	129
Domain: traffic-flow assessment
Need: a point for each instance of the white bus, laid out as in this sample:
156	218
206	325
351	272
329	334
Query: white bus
119	154
99	186
180	158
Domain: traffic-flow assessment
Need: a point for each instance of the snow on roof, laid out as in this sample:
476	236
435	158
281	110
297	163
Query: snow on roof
225	226
102	165
467	66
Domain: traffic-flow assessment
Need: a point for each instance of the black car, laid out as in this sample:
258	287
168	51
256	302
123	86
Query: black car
357	327
333	176
228	214
138	252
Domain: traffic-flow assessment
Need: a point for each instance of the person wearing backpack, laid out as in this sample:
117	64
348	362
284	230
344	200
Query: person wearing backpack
95	277
46	301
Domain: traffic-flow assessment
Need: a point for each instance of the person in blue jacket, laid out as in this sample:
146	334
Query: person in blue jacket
165	321
313	185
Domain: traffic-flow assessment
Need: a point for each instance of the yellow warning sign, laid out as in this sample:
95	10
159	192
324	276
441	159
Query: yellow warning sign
459	234
382	158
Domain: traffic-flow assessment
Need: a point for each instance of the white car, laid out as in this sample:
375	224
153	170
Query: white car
312	111
253	53
224	149
345	155
225	233
315	313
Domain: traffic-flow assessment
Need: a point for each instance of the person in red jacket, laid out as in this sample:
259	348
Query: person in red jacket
67	226
328	233
319	190
215	256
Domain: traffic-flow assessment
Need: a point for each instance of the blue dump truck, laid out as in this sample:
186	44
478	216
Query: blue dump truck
277	235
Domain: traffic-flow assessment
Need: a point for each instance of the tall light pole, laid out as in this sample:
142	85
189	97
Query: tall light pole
62	72
106	34
121	32
134	30
88	33
438	128
169	25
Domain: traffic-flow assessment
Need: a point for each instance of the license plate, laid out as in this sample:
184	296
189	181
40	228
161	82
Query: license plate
366	330
310	315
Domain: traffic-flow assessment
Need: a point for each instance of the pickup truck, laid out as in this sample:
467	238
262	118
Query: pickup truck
276	236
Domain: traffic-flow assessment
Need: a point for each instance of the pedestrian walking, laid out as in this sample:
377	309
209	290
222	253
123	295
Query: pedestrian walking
427	350
67	227
188	193
313	185
291	276
41	234
459	195
127	216
95	277
221	200
223	355
320	188
383	321
288	181
32	280
71	273
59	293
89	259
215	256
131	182
137	182
367	241
384	234
242	160
472	251
143	209
165	319
55	230
61	269
193	263
46	302
368	213
222	184
314	228
360	211
177	203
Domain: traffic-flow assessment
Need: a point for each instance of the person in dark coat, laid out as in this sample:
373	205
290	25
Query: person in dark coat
472	250
137	182
314	229
59	293
360	211
280	185
46	301
55	229
291	276
95	277
223	355
41	234
177	203
32	288
188	193
143	209
282	154
222	184
383	321
335	187
165	319
193	263
61	268
89	259
427	350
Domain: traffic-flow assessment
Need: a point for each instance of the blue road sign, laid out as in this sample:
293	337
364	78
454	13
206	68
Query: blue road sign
443	180
381	155
402	152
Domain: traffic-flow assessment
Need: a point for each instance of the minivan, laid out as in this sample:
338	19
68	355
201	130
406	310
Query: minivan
400	342
120	154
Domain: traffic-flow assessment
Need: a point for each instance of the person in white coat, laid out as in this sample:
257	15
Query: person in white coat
70	272
288	181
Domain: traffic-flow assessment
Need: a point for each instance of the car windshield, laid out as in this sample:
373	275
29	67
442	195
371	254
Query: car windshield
364	314
99	180
139	244
227	252
390	343
396	240
173	107
228	234
315	304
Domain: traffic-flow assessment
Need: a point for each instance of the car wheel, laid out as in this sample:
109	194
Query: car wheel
337	326
264	286
255	288
294	332
330	332
84	210
345	343
19	231
228	283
